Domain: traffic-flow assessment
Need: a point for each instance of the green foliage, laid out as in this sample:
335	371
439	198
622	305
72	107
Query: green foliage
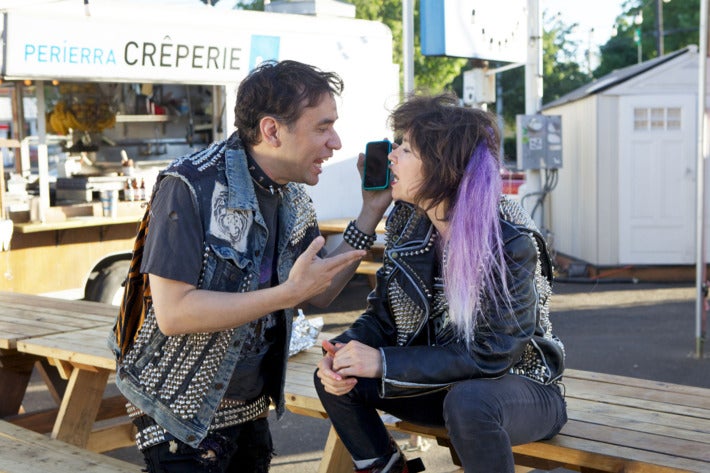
433	74
560	70
681	20
620	51
254	5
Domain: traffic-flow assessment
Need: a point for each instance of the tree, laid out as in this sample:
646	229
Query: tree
561	74
619	51
681	20
255	5
560	70
431	73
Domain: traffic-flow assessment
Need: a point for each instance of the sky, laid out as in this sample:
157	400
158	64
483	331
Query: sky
597	14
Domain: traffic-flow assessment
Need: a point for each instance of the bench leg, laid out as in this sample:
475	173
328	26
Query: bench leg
336	458
55	384
80	405
15	371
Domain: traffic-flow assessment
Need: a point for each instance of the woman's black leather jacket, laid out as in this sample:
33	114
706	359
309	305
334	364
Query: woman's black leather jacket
407	316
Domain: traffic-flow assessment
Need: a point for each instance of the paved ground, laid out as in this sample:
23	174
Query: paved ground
643	330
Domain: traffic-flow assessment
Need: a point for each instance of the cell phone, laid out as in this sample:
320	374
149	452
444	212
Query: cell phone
377	169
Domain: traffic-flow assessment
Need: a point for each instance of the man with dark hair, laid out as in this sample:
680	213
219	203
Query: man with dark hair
232	247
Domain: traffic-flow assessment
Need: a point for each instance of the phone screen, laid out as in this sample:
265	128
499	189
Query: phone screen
377	171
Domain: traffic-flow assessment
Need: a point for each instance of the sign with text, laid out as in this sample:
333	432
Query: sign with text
477	29
90	47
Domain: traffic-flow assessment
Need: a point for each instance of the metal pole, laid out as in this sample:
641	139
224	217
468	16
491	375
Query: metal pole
499	112
533	66
700	270
22	160
408	45
659	27
42	154
533	93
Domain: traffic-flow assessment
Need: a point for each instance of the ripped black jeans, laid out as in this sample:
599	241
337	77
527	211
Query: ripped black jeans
244	448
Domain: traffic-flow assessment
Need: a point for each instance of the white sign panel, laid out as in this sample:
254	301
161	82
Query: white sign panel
478	29
96	48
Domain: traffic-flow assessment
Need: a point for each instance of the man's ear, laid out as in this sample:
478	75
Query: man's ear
269	128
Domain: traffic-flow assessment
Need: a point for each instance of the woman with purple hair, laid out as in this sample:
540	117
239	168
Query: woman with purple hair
457	331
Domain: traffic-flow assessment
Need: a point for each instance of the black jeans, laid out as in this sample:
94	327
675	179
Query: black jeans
484	418
245	448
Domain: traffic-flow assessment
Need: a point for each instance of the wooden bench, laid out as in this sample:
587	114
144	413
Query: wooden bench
369	268
373	261
65	341
616	424
83	358
26	451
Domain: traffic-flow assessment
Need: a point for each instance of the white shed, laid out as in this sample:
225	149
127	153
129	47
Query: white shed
626	192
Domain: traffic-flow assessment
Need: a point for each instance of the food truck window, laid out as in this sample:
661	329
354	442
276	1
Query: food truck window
94	129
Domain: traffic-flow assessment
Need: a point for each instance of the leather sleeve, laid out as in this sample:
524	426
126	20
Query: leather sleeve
496	346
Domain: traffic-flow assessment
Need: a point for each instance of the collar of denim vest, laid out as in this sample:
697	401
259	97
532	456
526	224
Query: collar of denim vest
239	178
261	178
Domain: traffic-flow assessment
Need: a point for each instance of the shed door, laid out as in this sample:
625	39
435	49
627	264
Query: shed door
657	180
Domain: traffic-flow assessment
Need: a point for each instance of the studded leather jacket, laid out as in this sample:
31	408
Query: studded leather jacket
180	380
407	313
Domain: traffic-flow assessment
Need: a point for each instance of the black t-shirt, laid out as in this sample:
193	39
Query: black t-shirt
248	379
173	247
173	250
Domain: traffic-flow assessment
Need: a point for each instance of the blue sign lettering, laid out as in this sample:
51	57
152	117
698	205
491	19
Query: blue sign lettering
68	54
142	54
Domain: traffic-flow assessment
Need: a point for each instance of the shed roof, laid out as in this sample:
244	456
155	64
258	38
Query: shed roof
616	77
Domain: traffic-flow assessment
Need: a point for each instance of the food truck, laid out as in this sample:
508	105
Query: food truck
104	97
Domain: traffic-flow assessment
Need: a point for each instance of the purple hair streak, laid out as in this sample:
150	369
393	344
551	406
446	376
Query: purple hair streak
475	268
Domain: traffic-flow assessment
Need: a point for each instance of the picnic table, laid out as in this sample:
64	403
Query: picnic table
67	342
334	226
616	424
26	451
373	261
24	316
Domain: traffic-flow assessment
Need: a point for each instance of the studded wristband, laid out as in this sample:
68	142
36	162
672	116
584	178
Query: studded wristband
358	239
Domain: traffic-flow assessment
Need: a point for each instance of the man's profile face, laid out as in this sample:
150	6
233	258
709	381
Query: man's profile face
308	143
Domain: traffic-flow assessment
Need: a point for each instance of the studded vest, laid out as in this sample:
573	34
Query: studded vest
180	380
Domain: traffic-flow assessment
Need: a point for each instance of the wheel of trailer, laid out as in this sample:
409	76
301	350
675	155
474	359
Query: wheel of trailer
107	285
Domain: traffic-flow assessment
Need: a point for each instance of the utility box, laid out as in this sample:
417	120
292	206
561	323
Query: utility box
478	87
539	141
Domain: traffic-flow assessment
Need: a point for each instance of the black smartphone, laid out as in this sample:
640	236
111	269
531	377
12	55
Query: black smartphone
377	169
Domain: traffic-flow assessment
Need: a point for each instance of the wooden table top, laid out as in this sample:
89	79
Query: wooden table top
31	451
75	222
331	226
86	347
300	393
24	316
